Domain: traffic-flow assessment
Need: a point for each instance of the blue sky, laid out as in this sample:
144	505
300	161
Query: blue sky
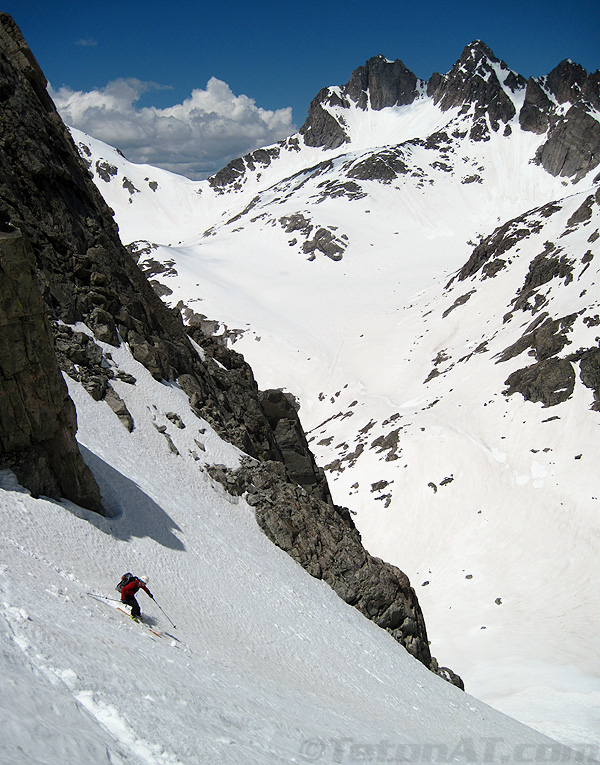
278	54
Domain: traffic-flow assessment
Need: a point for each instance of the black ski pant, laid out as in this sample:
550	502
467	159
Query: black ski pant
135	606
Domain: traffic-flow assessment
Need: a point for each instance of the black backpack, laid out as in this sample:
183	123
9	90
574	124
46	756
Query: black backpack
125	579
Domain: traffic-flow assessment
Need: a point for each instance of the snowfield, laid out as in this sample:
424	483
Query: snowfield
264	665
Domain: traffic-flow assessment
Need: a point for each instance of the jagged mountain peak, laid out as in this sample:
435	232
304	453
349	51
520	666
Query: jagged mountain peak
480	79
487	96
478	51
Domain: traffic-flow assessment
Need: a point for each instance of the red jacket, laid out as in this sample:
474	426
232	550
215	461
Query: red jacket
129	590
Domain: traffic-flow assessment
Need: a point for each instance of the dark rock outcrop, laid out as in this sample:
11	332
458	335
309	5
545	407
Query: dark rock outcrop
37	418
385	165
325	242
573	145
231	176
474	84
548	382
325	542
321	127
566	81
381	83
545	338
224	392
281	411
534	116
545	267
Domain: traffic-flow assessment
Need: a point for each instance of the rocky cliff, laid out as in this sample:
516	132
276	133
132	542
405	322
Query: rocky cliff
86	276
37	417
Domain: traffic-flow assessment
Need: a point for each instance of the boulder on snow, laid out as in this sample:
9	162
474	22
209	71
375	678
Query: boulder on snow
548	382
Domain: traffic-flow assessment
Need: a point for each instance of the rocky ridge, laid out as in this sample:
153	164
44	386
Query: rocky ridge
484	87
559	105
85	274
328	546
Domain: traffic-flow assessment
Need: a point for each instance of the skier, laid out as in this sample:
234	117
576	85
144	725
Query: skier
128	587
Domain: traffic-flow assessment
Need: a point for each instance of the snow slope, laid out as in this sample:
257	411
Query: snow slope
331	270
264	665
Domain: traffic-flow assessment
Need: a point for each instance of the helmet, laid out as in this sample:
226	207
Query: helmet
144	579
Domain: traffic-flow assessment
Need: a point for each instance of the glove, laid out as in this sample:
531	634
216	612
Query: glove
151	595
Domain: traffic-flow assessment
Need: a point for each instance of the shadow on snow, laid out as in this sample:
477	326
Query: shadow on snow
135	514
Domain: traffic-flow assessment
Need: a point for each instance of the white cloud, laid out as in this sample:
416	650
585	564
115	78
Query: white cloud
194	138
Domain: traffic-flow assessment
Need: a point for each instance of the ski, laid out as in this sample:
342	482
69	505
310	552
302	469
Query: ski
141	622
104	599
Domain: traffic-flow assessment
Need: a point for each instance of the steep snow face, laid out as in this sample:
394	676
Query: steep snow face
332	269
242	656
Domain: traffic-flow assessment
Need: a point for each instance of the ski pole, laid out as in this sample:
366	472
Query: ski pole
95	595
158	604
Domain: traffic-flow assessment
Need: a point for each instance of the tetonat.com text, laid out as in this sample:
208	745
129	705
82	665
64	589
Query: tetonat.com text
466	750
